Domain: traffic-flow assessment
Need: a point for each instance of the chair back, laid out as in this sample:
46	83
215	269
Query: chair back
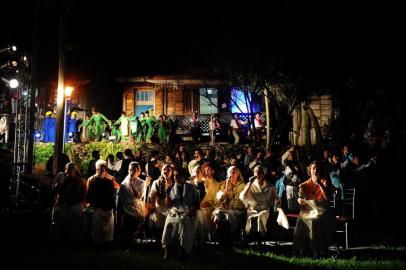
347	205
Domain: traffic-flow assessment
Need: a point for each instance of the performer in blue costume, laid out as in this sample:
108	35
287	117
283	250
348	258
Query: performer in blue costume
49	127
72	128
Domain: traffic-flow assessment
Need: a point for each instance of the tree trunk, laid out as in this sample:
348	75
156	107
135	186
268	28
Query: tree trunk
306	132
317	129
299	127
268	122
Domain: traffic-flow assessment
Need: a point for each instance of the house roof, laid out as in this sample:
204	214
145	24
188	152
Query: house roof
170	79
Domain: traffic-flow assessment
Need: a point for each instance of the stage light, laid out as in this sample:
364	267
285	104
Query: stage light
68	91
13	83
8	49
9	64
37	134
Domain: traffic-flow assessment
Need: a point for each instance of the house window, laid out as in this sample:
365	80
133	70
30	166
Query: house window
208	100
144	100
145	97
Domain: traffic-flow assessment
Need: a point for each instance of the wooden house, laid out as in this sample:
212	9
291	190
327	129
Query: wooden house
179	96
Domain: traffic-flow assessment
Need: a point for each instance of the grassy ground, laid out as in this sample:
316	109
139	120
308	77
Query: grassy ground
148	256
23	237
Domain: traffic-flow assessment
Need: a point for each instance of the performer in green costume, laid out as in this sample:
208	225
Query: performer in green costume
142	128
162	129
99	121
134	127
87	131
117	133
150	122
124	125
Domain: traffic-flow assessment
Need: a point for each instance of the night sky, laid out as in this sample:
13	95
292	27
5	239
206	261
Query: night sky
324	42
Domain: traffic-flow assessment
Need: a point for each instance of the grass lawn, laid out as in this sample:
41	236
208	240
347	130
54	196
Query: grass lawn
148	256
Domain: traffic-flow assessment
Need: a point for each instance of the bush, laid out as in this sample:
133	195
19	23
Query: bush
81	153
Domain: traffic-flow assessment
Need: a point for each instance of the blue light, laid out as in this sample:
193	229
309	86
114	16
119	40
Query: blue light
239	104
37	134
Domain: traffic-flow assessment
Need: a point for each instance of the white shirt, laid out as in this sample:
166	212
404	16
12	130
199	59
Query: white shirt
257	123
126	196
213	125
234	124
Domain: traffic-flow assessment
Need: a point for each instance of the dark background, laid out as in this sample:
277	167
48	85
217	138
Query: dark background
324	42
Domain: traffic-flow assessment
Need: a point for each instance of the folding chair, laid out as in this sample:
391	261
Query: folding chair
345	212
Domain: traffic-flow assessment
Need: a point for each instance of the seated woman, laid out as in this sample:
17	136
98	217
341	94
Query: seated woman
183	200
157	209
259	196
207	201
230	210
315	226
130	210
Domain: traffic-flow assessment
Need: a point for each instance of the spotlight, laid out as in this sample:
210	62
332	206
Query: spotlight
9	64
12	83
8	49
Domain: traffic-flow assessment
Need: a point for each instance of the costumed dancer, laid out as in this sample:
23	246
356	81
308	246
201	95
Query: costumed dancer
134	126
116	133
87	130
143	128
100	123
124	125
150	122
162	129
49	127
72	127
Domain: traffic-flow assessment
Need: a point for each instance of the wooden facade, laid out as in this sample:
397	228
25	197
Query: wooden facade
170	96
178	97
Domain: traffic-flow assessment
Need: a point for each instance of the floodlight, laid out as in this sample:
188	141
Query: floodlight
12	83
9	64
68	91
8	49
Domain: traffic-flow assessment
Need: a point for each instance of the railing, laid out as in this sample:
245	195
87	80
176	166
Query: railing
223	118
184	122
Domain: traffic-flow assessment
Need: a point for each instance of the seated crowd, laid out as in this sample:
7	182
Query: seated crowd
208	198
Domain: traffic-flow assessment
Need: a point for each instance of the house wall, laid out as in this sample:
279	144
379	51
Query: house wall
322	107
129	93
159	100
168	100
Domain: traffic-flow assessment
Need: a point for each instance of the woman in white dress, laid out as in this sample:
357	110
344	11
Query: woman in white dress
260	198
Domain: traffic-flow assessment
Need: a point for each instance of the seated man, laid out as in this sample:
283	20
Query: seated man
70	202
101	200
